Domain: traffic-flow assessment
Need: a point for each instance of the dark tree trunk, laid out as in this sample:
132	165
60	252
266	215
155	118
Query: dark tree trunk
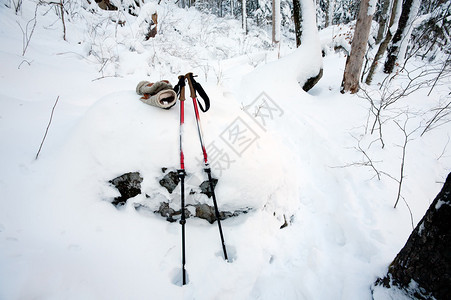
393	51
297	21
354	61
326	12
426	257
383	46
312	81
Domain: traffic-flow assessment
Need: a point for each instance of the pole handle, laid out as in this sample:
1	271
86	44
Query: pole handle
181	85
189	77
194	87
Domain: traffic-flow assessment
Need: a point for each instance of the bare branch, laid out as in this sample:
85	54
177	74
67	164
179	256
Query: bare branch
364	163
410	211
48	126
24	61
444	149
441	113
26	36
403	158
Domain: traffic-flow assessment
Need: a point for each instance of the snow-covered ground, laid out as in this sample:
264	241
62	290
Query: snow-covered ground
288	155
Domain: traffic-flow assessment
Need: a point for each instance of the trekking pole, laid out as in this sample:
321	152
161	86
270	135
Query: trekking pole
181	172
194	86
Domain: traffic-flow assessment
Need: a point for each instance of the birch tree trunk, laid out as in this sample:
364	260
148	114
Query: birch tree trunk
354	61
276	21
383	20
231	8
244	16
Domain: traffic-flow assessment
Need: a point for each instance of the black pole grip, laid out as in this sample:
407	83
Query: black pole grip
196	87
203	95
179	88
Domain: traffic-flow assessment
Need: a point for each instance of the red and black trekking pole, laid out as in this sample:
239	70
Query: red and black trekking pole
194	86
181	172
180	89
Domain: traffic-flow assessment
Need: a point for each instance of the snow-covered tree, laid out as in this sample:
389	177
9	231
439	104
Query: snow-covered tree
433	35
244	15
386	41
325	12
383	19
276	21
345	11
401	38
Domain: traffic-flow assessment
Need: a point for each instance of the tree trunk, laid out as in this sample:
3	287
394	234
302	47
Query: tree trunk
244	15
220	8
330	12
275	21
426	257
384	45
297	21
232	8
383	20
401	33
354	61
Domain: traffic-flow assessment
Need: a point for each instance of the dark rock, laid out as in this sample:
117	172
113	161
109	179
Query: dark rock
166	211
169	213
205	187
170	181
203	211
311	82
426	256
207	212
129	186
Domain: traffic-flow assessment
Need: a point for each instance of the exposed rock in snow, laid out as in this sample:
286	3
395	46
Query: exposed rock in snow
205	187
170	181
129	185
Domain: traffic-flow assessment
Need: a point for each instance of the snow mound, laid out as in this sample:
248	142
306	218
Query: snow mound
120	134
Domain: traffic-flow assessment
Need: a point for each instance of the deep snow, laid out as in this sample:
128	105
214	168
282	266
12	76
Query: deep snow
60	238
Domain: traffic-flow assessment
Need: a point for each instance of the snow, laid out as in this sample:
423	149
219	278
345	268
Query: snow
144	18
439	204
372	7
60	238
